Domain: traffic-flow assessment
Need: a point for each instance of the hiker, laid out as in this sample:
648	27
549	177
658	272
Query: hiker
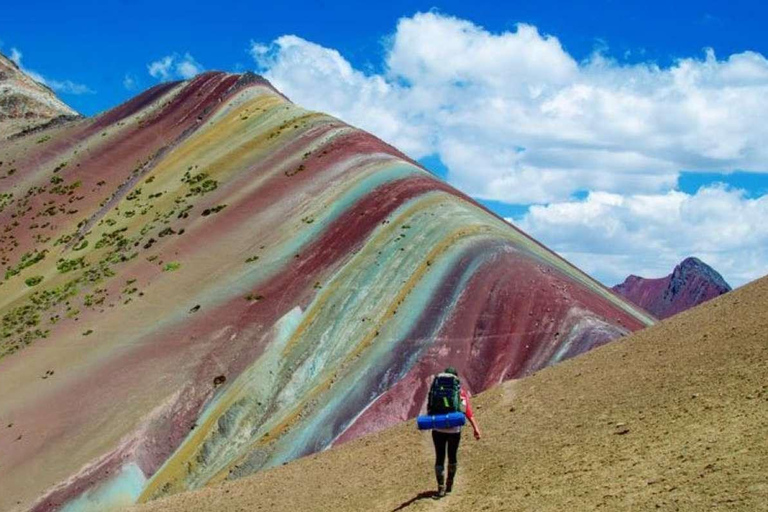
446	395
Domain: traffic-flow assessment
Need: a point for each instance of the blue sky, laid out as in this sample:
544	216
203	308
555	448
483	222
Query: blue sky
624	135
97	43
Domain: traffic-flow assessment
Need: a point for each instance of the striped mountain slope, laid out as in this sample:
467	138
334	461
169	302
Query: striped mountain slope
209	280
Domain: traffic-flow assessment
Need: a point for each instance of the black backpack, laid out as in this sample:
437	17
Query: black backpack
444	395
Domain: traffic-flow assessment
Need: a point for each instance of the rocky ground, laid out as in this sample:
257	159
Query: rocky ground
671	418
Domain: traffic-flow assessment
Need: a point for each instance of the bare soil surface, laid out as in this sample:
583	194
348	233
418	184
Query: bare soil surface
671	418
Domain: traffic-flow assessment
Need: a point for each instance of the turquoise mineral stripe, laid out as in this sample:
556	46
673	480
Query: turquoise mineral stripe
546	256
363	375
340	327
245	278
120	491
374	178
244	418
410	310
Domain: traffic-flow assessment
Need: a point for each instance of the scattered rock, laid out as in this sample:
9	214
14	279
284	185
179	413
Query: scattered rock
621	429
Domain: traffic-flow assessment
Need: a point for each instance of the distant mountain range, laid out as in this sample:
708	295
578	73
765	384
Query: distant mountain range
690	283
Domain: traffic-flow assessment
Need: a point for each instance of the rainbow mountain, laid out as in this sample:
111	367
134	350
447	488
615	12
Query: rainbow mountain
209	280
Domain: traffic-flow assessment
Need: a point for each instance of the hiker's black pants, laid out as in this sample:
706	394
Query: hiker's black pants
443	440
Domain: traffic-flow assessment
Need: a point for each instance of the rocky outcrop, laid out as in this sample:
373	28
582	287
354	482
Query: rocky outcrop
690	283
26	104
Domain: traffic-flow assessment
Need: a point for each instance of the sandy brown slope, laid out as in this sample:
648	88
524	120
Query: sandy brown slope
671	418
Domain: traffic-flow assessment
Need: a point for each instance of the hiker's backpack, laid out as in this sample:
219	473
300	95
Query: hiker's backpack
444	395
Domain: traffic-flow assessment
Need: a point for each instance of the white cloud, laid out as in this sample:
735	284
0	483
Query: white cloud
515	118
60	86
16	56
69	87
430	49
175	66
161	69
130	82
188	67
612	235
321	78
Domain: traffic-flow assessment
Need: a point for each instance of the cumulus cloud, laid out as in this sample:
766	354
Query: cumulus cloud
611	235
60	86
515	118
175	66
320	78
162	68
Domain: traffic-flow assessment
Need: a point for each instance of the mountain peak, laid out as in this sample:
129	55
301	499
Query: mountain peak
26	104
693	265
691	282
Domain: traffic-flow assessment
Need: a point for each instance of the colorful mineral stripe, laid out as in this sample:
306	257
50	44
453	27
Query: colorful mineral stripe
209	280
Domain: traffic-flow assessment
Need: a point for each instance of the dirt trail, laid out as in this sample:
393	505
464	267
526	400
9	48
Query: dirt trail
671	418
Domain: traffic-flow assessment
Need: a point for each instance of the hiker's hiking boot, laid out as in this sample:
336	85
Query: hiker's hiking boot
440	482
451	474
